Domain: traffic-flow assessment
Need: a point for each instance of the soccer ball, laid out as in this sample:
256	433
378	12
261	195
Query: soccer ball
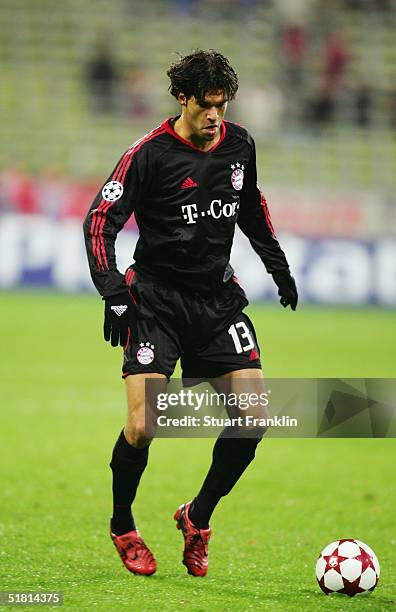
347	566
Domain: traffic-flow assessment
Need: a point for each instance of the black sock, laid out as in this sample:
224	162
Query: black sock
128	464
231	456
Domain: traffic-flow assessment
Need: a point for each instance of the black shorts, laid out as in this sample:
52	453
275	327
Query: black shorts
210	333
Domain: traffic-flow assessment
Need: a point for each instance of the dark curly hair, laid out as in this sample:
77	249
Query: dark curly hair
200	73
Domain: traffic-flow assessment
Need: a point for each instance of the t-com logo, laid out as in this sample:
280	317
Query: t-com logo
216	210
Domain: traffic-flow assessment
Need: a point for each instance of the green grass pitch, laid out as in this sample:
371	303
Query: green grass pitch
62	407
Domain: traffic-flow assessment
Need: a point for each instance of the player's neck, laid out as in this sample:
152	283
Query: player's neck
186	133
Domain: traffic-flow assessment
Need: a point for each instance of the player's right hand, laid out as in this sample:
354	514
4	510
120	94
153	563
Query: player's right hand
117	318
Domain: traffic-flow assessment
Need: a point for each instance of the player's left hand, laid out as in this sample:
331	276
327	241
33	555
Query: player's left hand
117	318
286	288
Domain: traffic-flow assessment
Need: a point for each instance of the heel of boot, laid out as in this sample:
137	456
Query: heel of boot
177	517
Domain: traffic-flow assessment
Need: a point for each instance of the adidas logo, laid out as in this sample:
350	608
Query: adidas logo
188	183
119	310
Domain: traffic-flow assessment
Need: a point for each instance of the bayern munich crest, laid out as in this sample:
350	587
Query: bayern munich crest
145	354
112	191
237	176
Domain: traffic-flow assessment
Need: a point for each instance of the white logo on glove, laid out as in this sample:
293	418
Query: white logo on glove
119	310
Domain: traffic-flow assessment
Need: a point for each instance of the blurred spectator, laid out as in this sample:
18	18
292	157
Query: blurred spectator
18	192
294	46
293	52
321	108
363	105
265	107
136	100
102	79
335	60
52	187
335	57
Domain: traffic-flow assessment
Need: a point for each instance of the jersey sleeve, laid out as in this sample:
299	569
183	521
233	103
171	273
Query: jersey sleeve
110	210
255	221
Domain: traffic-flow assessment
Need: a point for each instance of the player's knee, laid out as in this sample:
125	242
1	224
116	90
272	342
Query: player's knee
137	434
253	432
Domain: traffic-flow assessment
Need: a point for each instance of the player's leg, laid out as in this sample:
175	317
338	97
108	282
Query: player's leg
129	460
130	453
232	453
151	353
231	359
235	448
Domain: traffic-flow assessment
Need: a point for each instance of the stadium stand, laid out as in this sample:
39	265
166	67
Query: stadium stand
51	123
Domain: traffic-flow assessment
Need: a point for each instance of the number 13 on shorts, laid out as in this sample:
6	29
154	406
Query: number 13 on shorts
241	336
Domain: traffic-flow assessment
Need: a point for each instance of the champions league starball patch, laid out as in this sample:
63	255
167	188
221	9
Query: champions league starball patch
112	191
237	176
145	354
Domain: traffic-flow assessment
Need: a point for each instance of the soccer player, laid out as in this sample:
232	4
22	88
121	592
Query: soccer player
189	182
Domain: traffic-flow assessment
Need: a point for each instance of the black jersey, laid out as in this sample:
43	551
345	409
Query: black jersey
186	204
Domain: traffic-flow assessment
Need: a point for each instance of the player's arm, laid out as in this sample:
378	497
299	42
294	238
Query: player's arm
255	222
110	210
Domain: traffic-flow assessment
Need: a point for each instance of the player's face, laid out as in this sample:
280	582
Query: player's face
203	119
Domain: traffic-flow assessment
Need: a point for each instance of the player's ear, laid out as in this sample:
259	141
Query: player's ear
181	98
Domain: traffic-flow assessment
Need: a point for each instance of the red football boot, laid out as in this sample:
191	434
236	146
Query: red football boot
134	553
195	555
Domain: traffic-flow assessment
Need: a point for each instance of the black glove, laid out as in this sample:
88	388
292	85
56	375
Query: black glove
117	318
287	288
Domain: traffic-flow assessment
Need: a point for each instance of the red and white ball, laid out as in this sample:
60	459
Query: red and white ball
347	566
